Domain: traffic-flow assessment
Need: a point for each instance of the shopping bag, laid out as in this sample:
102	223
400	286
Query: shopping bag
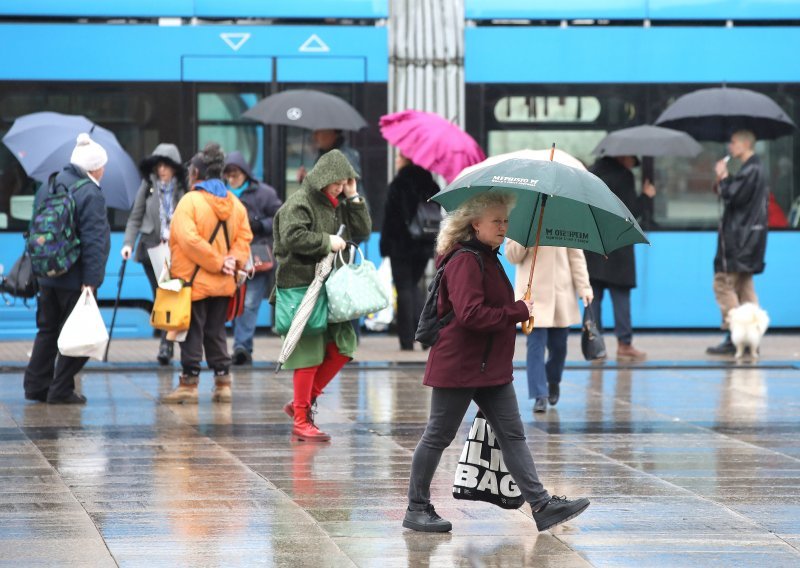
592	344
84	333
381	320
481	474
287	300
20	282
354	290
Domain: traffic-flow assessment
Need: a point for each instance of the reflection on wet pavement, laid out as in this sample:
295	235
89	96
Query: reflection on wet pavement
684	468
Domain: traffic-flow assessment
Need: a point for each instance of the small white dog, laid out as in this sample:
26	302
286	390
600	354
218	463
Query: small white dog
748	323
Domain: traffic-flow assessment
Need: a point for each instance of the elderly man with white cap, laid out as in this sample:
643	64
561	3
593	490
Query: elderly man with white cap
49	378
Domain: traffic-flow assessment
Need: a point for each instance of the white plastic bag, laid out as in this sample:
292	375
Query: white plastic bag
84	333
381	320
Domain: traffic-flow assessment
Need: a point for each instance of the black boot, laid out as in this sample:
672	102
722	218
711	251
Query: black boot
165	352
554	392
725	348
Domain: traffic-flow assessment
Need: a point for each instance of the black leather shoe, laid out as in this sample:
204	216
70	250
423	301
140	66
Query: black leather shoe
426	521
73	398
559	510
241	356
165	352
540	405
725	348
554	391
40	396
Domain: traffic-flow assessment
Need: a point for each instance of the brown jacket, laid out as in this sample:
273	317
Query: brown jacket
559	278
193	222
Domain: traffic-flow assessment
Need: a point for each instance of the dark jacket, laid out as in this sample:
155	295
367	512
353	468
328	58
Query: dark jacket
476	348
91	224
260	199
411	186
742	240
619	269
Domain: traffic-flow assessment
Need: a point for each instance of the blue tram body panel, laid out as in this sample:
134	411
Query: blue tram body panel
105	52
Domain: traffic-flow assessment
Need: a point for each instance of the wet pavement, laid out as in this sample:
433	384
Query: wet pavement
684	467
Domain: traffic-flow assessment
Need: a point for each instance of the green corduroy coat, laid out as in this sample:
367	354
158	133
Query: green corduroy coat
301	229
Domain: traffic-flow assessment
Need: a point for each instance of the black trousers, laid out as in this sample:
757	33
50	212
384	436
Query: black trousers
207	331
406	273
49	375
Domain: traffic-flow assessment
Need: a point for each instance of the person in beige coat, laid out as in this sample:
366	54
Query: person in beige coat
559	279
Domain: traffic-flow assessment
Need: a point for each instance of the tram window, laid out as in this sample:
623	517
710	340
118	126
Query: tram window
219	120
16	193
548	109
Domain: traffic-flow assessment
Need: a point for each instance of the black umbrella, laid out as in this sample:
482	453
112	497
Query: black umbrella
648	141
715	114
313	110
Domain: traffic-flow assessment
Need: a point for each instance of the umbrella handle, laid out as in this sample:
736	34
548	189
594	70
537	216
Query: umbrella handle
527	326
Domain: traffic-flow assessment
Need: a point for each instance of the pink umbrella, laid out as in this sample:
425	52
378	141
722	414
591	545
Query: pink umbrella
431	142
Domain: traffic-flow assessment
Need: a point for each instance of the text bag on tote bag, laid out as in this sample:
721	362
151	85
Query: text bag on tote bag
481	474
172	310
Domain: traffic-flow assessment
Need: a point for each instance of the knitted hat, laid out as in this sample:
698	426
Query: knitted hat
88	154
331	167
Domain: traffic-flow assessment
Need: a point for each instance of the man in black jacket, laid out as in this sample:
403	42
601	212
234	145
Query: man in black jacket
262	202
617	272
742	239
50	377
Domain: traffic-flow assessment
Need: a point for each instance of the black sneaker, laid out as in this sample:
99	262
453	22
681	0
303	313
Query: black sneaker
725	348
540	405
558	510
40	396
73	398
426	521
241	356
553	391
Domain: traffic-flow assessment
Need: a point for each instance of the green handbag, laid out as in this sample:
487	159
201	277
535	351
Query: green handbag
287	300
354	290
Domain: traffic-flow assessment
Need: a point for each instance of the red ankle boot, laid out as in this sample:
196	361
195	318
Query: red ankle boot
304	429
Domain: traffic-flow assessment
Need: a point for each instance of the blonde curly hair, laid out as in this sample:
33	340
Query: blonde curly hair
457	225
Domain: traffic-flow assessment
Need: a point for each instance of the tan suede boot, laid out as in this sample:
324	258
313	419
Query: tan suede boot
222	389
185	393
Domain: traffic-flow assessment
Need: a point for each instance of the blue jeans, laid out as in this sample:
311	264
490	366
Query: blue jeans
244	327
539	372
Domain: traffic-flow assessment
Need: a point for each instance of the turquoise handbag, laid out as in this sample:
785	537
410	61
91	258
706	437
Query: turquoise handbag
287	300
354	290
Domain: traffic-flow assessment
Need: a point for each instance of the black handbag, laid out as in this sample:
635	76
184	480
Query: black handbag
481	474
592	344
20	282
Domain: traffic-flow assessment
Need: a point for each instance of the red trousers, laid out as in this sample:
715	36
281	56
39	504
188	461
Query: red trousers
310	381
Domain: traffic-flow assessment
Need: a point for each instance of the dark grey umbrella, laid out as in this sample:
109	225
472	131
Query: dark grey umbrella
715	114
43	142
648	141
313	110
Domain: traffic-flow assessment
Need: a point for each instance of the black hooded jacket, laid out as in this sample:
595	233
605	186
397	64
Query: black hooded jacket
742	240
260	199
411	186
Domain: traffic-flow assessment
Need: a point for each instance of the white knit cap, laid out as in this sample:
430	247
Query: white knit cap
88	154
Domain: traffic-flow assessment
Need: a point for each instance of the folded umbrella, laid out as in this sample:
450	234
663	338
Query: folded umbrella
305	108
648	140
715	114
43	142
582	212
432	142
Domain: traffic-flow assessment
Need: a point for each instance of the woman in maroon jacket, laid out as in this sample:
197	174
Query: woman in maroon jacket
472	360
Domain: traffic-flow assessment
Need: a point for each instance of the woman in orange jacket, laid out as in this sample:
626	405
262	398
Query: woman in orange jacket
209	241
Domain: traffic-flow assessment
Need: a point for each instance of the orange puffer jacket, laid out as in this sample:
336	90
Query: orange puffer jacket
195	218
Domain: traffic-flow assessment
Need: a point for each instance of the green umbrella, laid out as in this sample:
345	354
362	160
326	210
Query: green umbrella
581	211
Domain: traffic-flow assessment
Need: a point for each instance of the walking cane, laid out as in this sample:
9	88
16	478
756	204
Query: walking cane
116	306
527	326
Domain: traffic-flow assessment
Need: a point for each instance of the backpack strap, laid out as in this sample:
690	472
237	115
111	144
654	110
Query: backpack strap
448	317
210	240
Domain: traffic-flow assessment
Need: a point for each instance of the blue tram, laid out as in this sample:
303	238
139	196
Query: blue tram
183	71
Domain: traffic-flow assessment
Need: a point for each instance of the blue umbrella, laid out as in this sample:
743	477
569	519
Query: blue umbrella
43	143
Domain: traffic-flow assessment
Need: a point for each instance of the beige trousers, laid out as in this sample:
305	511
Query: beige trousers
733	289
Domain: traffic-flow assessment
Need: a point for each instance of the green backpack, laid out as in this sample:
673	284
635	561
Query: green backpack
53	243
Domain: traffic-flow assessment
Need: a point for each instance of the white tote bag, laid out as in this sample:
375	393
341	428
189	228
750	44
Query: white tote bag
84	333
354	290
